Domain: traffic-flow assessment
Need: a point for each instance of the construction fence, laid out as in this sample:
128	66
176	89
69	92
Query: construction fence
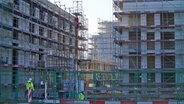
135	85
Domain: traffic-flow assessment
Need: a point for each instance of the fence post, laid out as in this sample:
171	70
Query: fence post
94	85
54	89
113	85
16	84
46	86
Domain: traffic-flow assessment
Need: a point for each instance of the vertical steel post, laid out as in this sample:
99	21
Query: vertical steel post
149	85
76	23
54	89
46	85
113	85
16	85
94	85
1	68
136	79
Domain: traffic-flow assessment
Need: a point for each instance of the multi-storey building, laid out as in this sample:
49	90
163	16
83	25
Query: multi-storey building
149	43
38	35
101	47
102	43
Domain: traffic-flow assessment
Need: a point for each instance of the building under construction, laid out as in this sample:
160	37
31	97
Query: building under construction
101	46
149	45
37	36
39	40
102	43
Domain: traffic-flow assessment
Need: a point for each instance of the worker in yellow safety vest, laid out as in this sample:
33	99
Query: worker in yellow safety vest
30	85
81	96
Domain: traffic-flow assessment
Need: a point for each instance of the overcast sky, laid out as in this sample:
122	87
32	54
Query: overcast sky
93	9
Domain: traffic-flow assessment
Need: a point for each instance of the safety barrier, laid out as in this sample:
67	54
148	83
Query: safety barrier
117	102
29	95
106	102
99	87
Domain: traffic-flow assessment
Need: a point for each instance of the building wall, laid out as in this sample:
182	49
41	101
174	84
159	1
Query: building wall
103	43
37	32
160	47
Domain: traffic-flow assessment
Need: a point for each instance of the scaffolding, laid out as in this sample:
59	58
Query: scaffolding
82	27
101	48
149	37
44	42
36	37
39	34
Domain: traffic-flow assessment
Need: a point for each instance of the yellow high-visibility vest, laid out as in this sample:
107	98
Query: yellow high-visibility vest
81	96
29	84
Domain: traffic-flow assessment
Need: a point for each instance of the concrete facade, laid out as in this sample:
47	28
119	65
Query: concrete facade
102	44
149	36
36	34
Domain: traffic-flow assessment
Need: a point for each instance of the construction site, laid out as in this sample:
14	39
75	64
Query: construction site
137	58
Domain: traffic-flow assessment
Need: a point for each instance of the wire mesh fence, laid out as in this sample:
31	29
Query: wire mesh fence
135	85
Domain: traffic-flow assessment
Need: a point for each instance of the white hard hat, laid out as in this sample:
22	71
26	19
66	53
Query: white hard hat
30	79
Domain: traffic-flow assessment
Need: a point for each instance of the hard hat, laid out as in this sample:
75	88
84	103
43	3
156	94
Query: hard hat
30	79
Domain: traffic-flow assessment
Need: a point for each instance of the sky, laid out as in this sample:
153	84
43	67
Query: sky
94	10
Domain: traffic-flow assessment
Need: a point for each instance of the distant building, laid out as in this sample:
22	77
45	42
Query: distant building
102	43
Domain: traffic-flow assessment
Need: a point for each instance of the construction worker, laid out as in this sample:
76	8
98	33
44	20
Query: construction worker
81	96
30	85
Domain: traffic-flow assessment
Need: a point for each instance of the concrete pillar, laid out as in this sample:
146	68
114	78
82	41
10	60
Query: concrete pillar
143	50
179	48
125	20
157	61
157	19
125	78
144	78
157	44
144	83
125	50
143	19
178	18
158	78
157	50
